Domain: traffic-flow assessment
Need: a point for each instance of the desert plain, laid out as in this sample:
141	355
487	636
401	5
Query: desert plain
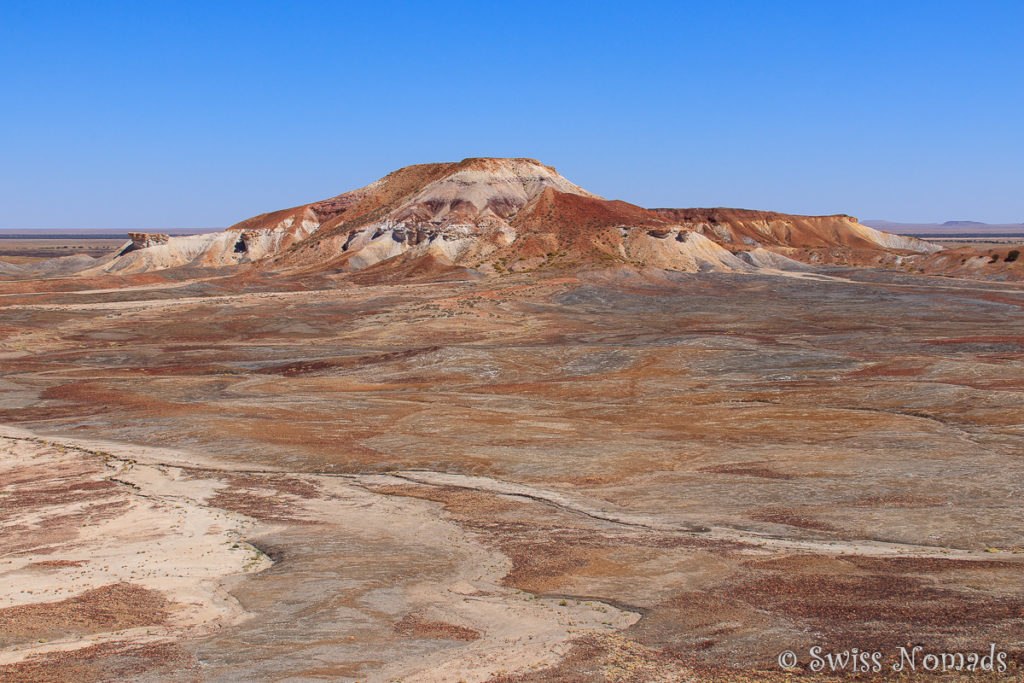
615	473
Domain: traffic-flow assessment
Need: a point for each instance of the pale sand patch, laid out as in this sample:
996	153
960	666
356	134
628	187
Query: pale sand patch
165	537
517	630
76	522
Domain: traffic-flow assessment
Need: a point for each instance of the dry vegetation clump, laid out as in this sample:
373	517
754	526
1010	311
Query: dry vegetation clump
105	662
414	626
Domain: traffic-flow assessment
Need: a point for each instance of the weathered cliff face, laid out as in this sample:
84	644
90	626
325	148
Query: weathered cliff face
502	215
145	240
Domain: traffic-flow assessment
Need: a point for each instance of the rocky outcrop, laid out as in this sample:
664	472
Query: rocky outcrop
145	240
260	240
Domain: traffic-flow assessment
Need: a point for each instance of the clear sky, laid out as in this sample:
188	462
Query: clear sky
199	114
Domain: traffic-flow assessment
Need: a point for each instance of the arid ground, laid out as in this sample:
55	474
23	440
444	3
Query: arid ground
617	474
17	250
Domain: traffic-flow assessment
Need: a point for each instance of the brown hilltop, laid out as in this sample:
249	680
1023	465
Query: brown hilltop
377	200
397	195
353	205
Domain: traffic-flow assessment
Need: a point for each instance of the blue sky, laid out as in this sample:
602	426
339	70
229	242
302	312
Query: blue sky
189	114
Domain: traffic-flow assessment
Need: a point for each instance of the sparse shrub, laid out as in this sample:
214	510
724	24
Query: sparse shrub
1012	256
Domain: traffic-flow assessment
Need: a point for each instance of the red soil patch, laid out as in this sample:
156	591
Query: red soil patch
57	564
750	470
102	397
792	518
110	608
414	626
263	497
314	366
54	491
104	662
877	602
888	370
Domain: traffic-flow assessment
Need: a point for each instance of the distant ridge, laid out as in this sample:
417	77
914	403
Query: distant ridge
108	233
948	228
